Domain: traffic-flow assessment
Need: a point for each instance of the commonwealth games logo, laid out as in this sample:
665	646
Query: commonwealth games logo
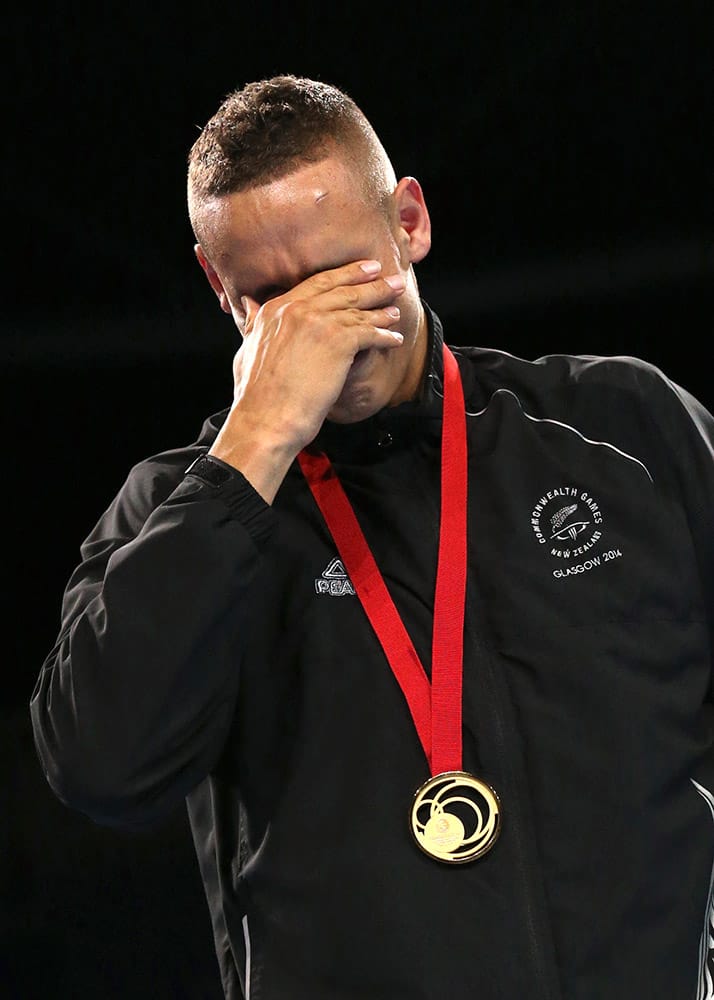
568	520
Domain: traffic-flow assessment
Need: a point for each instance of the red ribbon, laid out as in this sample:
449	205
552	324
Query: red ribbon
435	707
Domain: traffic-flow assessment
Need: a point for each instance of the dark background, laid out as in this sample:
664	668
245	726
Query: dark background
565	151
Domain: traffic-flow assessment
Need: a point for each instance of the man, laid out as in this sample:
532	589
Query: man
423	636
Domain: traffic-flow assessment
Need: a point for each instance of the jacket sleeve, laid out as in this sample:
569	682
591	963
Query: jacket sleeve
689	428
674	432
133	704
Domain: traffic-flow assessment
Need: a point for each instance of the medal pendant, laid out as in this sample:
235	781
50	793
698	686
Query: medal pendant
455	817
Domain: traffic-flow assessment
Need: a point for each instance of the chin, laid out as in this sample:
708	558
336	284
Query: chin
368	389
355	404
352	414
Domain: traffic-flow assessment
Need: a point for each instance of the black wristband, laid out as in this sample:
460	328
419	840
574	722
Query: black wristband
210	470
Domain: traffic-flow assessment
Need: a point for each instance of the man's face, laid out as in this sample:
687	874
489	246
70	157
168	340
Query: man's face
268	239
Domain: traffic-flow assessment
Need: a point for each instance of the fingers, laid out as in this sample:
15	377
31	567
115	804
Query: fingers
355	273
376	336
358	285
386	317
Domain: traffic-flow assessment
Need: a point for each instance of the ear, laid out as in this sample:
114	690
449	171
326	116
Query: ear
213	279
413	218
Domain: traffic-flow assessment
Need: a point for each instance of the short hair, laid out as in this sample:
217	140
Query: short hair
270	128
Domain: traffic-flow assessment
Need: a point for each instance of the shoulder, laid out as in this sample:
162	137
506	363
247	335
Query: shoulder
563	386
624	400
553	372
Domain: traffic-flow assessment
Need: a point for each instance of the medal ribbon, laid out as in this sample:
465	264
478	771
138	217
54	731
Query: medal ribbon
435	707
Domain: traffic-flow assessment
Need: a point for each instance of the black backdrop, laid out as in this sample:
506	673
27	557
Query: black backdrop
565	155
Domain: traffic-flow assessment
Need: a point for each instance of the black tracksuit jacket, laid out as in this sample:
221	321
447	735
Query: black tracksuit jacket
212	649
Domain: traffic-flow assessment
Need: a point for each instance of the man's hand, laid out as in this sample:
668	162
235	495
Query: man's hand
298	347
292	365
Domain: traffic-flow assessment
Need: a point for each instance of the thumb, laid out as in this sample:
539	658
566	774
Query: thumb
250	309
238	373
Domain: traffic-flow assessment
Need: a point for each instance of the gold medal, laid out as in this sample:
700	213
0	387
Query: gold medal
455	817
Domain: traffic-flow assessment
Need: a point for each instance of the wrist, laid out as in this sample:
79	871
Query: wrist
263	458
212	470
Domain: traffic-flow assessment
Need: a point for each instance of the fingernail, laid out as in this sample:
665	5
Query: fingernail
393	311
371	266
395	281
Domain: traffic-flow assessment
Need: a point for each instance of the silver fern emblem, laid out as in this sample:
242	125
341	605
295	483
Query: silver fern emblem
561	516
561	529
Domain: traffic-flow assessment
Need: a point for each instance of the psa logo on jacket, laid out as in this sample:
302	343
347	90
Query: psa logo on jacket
334	580
569	522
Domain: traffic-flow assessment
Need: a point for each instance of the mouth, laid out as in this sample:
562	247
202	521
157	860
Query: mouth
359	364
359	358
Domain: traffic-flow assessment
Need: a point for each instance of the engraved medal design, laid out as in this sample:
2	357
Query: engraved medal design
455	817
